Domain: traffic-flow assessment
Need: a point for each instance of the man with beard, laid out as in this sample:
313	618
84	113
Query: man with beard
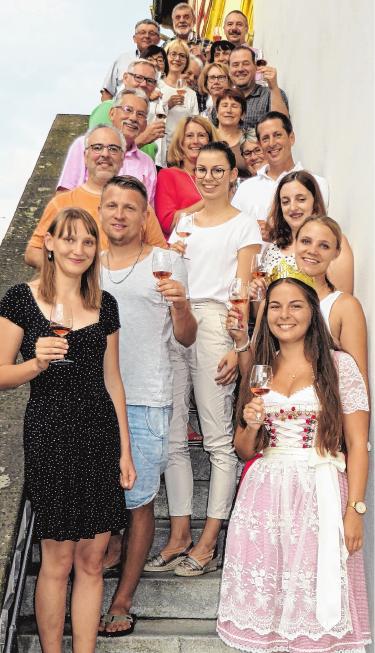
259	99
104	149
147	32
128	112
236	27
183	20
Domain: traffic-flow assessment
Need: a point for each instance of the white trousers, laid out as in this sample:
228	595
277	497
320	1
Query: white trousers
196	367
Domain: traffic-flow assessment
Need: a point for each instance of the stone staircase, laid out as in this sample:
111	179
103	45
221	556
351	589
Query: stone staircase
175	615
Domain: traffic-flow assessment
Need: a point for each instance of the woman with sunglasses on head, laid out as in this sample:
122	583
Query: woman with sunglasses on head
297	197
252	153
288	583
230	108
76	440
179	102
176	188
220	248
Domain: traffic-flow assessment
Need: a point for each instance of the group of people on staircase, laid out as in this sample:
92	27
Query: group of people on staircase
183	187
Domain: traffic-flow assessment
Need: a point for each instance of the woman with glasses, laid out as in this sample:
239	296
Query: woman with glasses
176	188
157	55
213	80
220	248
230	108
252	152
179	102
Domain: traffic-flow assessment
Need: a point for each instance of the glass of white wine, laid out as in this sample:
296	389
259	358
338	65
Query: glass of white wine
61	324
181	87
260	381
161	267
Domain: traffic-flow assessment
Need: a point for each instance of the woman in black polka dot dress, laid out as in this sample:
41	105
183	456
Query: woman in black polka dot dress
77	452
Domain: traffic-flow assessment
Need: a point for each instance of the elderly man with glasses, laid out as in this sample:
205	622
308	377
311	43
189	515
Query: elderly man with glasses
104	148
141	74
128	113
147	32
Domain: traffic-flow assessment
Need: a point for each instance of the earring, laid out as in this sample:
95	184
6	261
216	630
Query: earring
50	256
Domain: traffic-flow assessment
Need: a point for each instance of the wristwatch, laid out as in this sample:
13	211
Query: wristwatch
359	506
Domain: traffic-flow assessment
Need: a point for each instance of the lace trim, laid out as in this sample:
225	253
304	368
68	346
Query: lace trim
281	649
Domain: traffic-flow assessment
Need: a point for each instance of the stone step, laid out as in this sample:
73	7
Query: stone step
161	537
150	636
158	595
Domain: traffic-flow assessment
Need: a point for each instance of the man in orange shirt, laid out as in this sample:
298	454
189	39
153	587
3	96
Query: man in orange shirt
104	154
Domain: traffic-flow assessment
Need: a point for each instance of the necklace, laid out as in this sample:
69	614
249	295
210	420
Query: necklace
128	273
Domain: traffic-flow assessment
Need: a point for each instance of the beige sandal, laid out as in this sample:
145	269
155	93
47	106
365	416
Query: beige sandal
191	566
158	564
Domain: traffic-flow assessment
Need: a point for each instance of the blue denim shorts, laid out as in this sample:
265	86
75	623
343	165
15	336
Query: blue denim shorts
149	429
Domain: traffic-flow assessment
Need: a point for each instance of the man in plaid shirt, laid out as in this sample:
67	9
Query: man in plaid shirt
259	99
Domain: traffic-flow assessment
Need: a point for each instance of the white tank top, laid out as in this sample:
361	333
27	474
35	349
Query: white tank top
326	306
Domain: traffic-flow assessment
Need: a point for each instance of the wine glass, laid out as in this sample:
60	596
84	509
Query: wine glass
184	227
260	381
61	323
161	267
160	110
258	271
238	296
216	34
181	87
259	63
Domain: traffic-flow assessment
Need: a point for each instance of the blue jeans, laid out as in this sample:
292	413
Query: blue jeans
149	430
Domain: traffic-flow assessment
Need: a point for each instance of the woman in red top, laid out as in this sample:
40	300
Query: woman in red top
175	188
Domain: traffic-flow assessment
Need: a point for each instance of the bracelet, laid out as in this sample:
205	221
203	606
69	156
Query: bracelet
244	347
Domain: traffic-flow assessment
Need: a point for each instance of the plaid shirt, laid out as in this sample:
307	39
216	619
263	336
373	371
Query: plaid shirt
258	103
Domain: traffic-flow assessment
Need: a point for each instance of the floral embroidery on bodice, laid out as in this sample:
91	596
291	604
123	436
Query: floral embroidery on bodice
292	421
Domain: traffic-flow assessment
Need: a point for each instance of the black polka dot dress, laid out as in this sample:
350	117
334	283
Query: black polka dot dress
71	433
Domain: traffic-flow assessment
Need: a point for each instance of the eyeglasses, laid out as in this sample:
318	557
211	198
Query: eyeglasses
99	147
129	111
247	154
177	55
158	58
141	78
217	172
152	35
216	78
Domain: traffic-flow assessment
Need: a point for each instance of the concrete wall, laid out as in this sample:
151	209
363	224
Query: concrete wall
324	53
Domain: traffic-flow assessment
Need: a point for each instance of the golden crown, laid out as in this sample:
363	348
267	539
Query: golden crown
285	271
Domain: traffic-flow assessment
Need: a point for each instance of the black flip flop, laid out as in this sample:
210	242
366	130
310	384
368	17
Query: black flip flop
110	618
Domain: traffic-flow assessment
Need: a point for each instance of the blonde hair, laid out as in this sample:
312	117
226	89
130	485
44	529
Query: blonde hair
202	81
65	223
179	43
176	154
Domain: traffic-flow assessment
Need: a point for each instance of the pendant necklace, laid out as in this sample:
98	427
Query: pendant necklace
128	273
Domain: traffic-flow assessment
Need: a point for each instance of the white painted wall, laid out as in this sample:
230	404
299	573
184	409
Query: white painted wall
324	53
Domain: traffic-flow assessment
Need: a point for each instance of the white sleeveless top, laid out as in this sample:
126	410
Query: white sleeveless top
326	306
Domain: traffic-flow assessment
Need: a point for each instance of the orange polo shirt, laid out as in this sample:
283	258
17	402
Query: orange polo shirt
84	199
